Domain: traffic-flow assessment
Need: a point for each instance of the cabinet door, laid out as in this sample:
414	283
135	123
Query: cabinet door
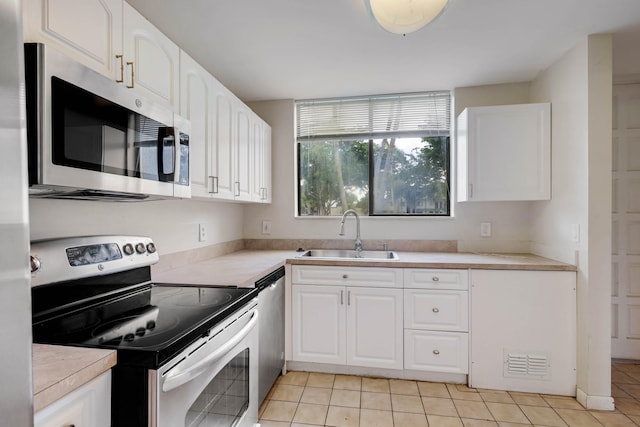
436	351
88	405
504	153
222	155
242	149
195	105
266	164
261	169
153	59
88	31
374	328
319	324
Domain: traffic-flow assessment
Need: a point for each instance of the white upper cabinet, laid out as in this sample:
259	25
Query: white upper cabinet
89	31
261	161
222	170
242	146
504	153
112	38
151	59
196	106
230	145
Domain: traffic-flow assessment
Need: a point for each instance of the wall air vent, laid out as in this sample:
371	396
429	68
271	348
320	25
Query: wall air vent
523	364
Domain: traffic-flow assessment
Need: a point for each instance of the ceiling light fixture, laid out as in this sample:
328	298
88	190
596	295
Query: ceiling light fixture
405	16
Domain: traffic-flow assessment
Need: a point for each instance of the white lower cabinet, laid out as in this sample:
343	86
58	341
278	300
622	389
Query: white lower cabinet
319	324
354	325
88	405
524	331
436	320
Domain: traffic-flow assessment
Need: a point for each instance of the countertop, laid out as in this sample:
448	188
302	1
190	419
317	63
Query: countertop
244	267
58	370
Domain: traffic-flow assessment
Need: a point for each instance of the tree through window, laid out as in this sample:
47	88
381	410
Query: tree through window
382	155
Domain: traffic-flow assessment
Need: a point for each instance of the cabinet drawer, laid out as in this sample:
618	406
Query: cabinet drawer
436	310
347	276
436	351
426	278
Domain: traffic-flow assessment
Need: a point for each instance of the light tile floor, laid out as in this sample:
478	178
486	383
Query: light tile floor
303	399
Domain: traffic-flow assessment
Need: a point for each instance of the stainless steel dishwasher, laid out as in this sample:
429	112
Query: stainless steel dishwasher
271	330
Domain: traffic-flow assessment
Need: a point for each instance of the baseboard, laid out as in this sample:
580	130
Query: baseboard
599	403
400	374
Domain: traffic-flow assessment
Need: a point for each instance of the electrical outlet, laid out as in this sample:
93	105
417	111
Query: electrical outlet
266	227
485	229
202	233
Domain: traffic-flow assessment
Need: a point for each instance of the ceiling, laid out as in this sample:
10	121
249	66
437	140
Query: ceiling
300	49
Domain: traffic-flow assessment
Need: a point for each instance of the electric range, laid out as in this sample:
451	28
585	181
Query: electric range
97	292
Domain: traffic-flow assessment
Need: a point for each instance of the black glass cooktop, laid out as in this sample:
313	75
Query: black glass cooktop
147	324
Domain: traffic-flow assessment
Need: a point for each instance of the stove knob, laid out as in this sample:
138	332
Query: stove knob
35	263
129	337
151	324
140	248
128	249
151	248
140	331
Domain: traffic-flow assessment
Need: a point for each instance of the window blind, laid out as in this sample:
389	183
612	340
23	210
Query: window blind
373	117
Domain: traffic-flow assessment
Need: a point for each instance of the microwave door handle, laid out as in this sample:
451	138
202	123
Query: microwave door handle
163	134
176	379
176	155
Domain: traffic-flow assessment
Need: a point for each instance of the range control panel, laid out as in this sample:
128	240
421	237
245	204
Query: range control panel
72	258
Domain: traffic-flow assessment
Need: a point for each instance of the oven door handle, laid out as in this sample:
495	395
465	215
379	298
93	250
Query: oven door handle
176	379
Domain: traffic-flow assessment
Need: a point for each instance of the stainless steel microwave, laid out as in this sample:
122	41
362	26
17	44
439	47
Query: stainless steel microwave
92	138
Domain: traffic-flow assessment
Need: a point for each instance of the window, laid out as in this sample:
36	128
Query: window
380	155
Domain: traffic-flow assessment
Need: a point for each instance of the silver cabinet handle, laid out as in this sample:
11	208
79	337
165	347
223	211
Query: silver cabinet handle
341	297
435	279
348	297
237	192
214	185
435	309
470	191
436	352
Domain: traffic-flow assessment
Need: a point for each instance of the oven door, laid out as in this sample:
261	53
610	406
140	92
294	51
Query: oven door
214	381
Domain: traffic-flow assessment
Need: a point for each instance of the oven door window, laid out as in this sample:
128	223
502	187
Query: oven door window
92	133
225	399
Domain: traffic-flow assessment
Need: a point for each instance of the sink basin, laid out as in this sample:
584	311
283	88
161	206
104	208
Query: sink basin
348	254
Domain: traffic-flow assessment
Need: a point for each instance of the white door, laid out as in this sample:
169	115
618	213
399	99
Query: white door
625	313
319	329
222	145
375	327
243	153
195	106
154	60
93	40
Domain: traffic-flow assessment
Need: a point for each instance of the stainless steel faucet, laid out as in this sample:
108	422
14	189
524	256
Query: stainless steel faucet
358	243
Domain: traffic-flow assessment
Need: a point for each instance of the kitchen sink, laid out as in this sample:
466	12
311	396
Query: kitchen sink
348	254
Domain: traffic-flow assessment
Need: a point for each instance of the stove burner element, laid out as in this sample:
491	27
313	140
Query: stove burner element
125	327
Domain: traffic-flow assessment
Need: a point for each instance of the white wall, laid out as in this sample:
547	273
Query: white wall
579	87
173	224
510	220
